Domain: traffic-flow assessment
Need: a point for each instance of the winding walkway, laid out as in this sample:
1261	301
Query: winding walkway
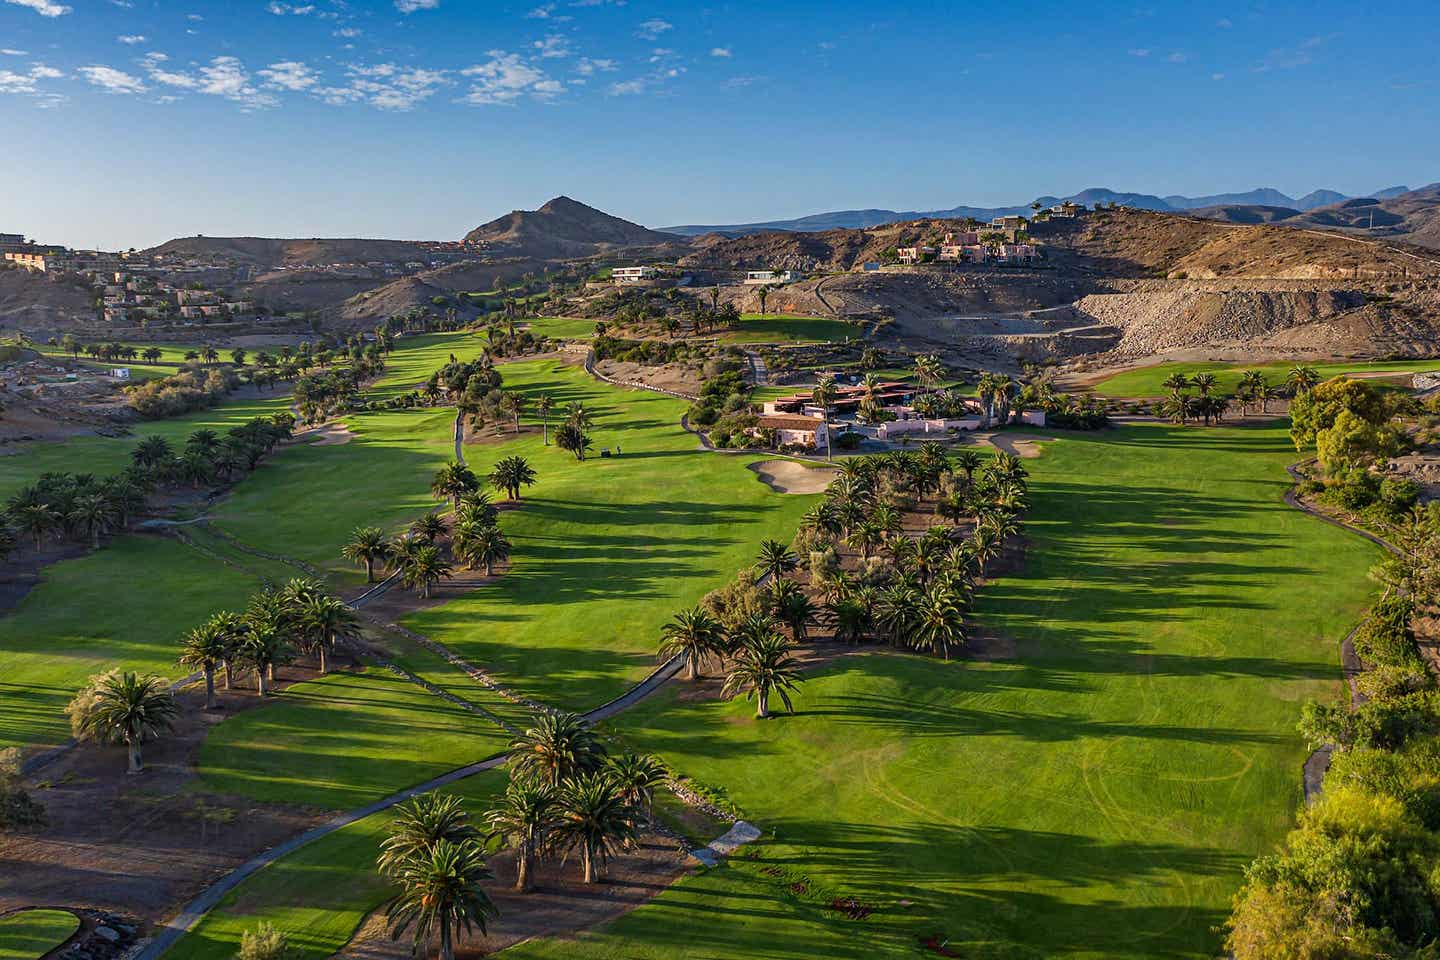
1318	763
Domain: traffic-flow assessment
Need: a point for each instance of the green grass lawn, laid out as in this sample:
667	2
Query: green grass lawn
415	357
1095	796
560	328
123	607
345	739
606	551
318	895
784	328
33	933
1147	381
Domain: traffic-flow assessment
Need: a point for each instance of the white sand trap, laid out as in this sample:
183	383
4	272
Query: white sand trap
787	476
330	435
1019	444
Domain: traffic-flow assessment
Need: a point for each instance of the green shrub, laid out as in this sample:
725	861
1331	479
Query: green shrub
1382	643
264	943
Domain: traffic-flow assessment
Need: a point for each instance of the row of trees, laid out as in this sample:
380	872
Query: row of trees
126	708
85	508
566	796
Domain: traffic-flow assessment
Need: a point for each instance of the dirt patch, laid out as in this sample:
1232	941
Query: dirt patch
559	906
787	476
504	431
142	845
676	377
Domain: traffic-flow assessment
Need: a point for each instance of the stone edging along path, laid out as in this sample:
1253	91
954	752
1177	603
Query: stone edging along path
196	909
1318	762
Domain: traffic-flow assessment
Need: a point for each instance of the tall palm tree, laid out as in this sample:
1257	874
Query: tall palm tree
441	895
823	395
929	370
1301	379
367	545
559	747
593	818
1203	382
422	568
543	406
151	452
263	646
775	559
694	634
482	546
35	520
510	474
896	611
419	825
792	607
572	439
206	647
324	621
865	537
429	528
92	514
636	776
524	816
762	667
939	622
453	481
130	709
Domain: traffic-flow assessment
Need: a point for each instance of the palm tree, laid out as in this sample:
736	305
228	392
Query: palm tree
693	634
1203	382
206	647
422	568
421	824
775	559
524	817
429	527
453	481
1176	383
896	611
263	646
325	620
636	776
441	895
559	747
367	545
573	440
35	520
823	395
93	514
929	370
865	536
482	545
761	667
577	416
1301	379
764	294
792	607
939	623
510	474
129	709
594	818
543	406
151	452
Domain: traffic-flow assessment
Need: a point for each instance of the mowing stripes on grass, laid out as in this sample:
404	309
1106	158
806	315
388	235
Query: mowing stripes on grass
1148	381
30	934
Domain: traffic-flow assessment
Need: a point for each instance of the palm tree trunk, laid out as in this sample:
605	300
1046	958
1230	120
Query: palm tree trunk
522	869
324	664
762	697
135	765
260	681
370	570
209	687
229	674
270	670
589	864
447	942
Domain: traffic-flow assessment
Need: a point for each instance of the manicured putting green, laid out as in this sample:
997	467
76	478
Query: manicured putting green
30	934
1149	381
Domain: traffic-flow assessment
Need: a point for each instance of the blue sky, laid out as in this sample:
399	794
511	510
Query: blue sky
126	122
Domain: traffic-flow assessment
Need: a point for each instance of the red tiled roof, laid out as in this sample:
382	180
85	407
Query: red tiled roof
782	422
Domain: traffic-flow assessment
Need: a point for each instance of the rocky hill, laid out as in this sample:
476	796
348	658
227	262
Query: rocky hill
1412	216
268	253
394	299
563	228
35	301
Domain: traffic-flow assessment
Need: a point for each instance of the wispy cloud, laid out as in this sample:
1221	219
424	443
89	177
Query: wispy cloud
652	29
553	47
46	8
131	38
1224	23
28	83
1138	52
507	78
1288	58
410	6
385	86
224	77
289	10
111	80
1178	56
290	75
547	12
11	52
720	52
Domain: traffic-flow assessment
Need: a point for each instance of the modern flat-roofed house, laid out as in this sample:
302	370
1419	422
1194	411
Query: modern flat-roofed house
915	254
627	275
795	429
772	276
1013	253
1067	210
1008	223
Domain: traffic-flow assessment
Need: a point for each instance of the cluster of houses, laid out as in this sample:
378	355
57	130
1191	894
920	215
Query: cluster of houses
127	298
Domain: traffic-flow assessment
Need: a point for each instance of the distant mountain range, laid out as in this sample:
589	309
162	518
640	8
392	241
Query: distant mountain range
860	219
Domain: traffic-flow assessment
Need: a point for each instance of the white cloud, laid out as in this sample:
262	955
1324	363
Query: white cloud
506	78
131	38
46	8
410	6
10	52
1224	23
547	12
1177	57
586	67
1217	76
627	88
111	80
28	84
42	72
386	86
349	33
224	77
651	29
170	78
285	9
553	47
290	75
1139	52
721	52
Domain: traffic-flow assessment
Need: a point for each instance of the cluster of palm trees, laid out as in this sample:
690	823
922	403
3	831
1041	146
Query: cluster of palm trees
566	796
83	507
573	435
1210	407
757	656
276	623
320	396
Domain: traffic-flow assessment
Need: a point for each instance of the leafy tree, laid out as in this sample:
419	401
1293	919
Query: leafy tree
525	816
559	747
694	634
367	545
441	895
124	708
593	818
762	667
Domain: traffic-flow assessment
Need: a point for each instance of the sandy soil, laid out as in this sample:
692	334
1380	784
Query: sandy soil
142	845
1023	445
678	377
787	476
332	434
560	904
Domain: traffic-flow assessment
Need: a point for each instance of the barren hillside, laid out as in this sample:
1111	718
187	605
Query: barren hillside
394	299
31	301
266	253
563	228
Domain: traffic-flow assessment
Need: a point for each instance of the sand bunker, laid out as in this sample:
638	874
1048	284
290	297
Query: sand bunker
787	476
330	435
1019	444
